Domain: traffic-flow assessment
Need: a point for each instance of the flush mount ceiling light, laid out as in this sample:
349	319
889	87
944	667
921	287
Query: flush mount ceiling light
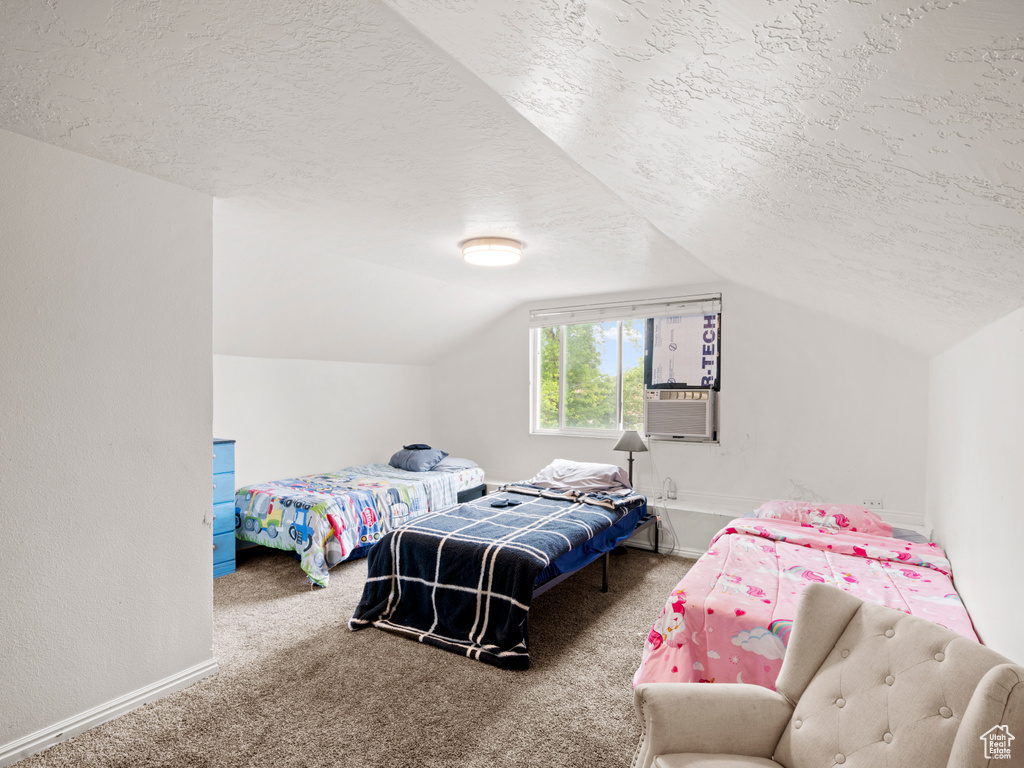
492	251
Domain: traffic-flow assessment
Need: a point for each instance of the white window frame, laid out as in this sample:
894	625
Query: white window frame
599	313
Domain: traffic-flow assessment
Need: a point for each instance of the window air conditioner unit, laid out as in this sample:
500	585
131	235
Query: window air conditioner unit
681	413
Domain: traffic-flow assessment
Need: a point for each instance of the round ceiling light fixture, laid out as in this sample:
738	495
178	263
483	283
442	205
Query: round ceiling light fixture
492	251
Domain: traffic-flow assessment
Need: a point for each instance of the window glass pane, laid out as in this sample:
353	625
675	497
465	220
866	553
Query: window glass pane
633	374
550	369
591	360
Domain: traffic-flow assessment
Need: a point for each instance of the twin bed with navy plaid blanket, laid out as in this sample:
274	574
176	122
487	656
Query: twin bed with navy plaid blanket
463	579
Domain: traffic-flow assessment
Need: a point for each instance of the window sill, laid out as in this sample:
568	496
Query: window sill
607	434
615	434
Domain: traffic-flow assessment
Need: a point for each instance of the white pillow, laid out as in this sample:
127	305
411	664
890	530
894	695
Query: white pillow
450	464
581	476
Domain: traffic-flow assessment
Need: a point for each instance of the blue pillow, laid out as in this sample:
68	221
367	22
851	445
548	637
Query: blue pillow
417	460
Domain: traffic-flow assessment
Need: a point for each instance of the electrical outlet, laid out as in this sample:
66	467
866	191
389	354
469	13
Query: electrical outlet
872	503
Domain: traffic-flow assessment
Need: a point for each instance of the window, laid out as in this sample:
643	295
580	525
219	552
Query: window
588	372
602	365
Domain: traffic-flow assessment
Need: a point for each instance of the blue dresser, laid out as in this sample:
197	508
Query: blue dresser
223	507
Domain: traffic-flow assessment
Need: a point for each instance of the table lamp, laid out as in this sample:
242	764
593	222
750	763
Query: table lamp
630	441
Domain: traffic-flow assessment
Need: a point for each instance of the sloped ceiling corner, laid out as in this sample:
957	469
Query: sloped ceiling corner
860	157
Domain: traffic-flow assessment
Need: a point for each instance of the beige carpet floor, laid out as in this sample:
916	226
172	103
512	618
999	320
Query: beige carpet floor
297	688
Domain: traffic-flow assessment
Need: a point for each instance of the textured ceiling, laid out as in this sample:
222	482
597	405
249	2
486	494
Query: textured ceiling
350	157
856	157
861	157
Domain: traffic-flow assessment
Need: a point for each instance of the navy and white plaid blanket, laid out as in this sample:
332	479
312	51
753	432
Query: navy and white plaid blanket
462	580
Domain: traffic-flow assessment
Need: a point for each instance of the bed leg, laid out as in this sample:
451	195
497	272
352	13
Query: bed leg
604	575
657	530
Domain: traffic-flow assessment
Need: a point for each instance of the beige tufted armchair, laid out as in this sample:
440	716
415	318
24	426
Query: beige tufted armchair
861	685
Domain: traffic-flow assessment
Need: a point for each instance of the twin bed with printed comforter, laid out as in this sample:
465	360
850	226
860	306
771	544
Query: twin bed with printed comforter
728	619
327	518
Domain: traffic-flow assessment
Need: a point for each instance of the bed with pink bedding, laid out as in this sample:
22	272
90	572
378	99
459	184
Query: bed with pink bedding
728	620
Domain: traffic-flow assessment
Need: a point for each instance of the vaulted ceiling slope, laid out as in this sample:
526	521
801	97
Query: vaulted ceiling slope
853	156
349	156
862	157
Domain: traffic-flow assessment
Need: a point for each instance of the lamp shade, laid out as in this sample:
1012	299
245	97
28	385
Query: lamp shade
630	441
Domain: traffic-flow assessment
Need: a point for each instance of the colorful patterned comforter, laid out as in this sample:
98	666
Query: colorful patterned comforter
728	620
325	518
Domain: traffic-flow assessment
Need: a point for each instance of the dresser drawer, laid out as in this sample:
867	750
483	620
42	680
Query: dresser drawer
223	457
223	507
223	517
224	547
223	487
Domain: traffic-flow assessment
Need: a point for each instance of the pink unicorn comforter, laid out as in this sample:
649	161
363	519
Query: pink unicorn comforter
728	620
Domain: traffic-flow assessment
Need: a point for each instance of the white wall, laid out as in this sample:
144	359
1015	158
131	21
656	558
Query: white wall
105	422
976	475
811	408
299	417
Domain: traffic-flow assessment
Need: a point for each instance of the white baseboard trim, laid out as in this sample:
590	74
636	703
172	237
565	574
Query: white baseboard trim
46	737
705	503
902	519
687	552
736	506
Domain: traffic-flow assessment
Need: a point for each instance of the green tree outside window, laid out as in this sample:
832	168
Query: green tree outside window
592	370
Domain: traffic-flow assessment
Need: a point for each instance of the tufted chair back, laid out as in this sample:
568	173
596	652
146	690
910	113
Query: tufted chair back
892	690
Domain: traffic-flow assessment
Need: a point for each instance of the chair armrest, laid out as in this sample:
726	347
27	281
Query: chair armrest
733	719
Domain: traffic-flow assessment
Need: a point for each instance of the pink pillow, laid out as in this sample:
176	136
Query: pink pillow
838	517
